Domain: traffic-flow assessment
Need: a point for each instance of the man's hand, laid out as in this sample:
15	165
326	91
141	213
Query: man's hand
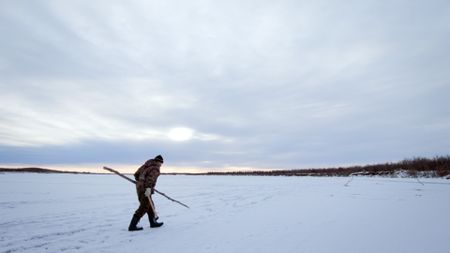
148	192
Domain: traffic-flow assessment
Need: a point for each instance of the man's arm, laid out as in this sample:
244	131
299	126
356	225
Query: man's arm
153	177
150	178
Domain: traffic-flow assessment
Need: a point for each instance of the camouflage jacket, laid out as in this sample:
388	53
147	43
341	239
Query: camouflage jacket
147	175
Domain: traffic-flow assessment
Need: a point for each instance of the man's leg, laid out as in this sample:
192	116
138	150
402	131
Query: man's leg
152	216
144	205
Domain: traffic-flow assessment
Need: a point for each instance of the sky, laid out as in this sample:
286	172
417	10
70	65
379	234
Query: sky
223	84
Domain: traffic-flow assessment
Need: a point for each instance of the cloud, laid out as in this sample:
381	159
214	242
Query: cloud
259	83
57	112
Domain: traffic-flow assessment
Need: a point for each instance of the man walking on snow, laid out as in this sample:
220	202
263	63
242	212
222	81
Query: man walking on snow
146	177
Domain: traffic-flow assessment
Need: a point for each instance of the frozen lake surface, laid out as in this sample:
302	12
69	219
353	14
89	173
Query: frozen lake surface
91	213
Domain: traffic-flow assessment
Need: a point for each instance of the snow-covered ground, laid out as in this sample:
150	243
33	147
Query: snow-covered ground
91	213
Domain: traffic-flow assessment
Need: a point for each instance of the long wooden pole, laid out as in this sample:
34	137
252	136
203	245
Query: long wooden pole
120	174
134	182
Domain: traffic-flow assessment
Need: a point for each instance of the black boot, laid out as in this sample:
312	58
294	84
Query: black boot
133	224
153	222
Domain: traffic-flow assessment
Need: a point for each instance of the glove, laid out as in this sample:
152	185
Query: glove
148	192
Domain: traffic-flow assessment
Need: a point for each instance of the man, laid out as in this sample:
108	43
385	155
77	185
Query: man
146	177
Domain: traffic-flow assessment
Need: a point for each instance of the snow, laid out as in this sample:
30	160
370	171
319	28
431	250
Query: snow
91	213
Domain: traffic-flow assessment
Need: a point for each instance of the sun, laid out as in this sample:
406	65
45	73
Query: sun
180	134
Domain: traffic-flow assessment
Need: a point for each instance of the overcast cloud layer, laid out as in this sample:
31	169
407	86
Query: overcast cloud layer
251	83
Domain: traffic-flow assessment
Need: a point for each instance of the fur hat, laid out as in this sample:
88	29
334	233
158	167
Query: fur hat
159	158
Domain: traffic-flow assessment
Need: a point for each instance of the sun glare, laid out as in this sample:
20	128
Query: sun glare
180	134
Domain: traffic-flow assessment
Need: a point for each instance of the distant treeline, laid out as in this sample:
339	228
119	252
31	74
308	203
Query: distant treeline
39	170
438	166
424	167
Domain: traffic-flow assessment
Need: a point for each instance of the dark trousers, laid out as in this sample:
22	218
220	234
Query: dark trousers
144	206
